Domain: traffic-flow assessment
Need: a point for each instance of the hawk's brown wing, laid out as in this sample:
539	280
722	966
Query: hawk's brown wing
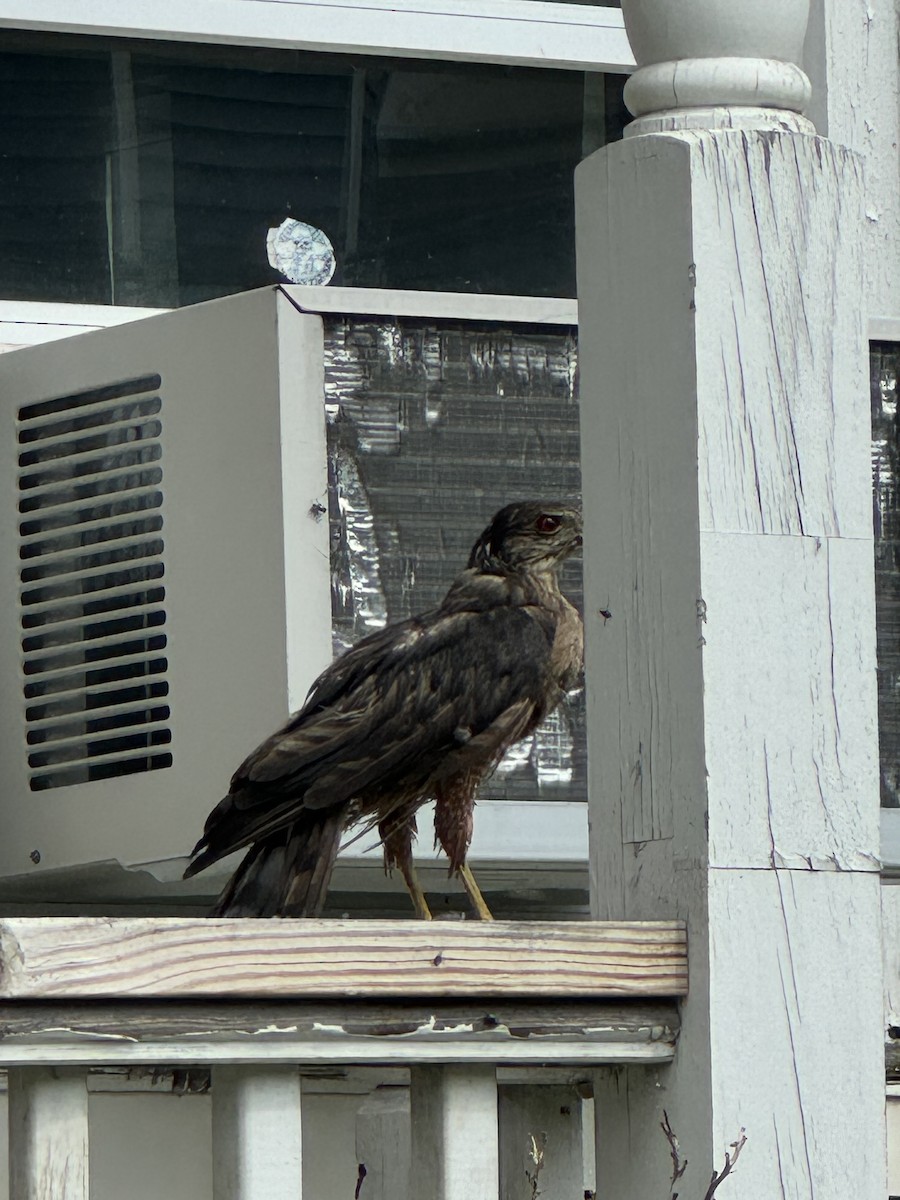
412	703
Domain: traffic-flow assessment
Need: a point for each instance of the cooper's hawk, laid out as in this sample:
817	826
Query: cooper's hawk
421	710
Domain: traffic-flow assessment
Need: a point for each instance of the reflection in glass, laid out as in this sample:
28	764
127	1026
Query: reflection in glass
151	173
884	361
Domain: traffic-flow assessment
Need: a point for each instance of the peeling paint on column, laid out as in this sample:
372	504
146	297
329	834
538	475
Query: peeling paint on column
773	441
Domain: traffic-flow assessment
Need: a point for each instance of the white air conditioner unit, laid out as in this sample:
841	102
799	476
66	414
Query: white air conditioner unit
165	591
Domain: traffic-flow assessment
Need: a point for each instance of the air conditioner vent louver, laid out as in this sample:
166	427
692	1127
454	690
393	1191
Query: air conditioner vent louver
92	599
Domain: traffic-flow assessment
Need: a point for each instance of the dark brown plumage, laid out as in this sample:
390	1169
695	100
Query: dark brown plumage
422	709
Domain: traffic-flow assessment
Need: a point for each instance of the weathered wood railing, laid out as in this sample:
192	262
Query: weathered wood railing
253	999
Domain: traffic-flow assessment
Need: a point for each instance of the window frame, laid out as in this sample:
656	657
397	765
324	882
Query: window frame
533	33
514	32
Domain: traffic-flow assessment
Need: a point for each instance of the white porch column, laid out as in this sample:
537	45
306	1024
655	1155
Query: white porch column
256	1132
48	1133
732	704
455	1144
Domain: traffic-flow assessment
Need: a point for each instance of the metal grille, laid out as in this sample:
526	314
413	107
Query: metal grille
92	598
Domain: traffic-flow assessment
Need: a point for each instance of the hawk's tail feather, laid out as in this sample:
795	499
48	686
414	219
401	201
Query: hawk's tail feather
287	874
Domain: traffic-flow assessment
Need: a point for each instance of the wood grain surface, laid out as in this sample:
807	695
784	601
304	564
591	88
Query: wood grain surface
91	957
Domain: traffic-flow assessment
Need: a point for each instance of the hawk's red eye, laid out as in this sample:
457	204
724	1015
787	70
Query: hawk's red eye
547	523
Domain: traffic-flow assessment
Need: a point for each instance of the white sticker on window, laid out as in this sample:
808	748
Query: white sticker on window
300	252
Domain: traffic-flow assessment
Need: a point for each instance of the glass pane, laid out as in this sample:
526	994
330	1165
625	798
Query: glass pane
151	173
54	117
884	362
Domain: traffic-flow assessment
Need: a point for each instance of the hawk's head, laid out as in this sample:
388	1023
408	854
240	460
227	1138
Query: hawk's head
529	534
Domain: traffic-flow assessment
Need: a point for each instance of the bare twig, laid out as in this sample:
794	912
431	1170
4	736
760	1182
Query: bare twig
536	1154
730	1159
679	1166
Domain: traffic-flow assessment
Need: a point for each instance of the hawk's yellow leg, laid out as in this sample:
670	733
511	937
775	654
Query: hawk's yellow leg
474	893
415	890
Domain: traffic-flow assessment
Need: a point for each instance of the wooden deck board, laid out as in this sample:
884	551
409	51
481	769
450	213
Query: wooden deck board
53	958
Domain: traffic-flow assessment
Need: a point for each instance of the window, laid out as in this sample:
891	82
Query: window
884	360
149	173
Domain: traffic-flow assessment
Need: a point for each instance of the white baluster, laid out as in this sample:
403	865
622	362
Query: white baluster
383	1145
455	1145
48	1133
256	1132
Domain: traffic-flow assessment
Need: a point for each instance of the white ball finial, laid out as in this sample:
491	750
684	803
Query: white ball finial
714	63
